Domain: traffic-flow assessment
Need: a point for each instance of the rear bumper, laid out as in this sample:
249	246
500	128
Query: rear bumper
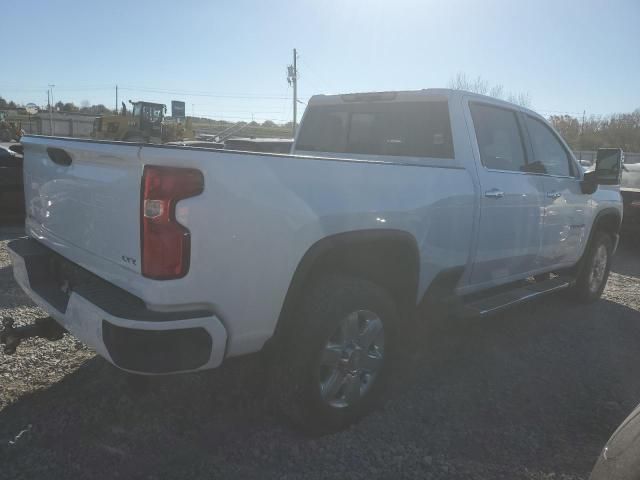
115	323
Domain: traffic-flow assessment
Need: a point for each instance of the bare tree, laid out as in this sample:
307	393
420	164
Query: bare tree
479	85
475	85
522	99
497	91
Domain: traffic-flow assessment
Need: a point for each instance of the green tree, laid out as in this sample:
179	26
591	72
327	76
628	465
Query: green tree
69	107
568	127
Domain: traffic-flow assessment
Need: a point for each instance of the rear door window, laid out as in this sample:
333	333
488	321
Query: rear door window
499	137
403	129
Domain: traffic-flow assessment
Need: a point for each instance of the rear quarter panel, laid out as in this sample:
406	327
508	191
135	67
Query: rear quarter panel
259	214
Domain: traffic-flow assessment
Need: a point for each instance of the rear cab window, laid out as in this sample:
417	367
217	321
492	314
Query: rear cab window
397	129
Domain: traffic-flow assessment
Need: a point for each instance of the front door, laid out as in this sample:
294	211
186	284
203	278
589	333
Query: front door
509	232
564	230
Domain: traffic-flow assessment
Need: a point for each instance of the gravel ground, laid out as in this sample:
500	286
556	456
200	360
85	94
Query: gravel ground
530	394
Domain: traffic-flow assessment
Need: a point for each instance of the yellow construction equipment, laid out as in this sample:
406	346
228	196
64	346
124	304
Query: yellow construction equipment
144	123
9	130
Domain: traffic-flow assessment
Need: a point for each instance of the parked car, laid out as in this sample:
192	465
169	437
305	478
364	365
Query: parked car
630	190
620	457
11	186
167	260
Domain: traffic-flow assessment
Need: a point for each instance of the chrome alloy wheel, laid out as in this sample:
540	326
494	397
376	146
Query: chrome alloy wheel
598	268
352	359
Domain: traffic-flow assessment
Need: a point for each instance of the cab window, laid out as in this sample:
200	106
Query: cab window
397	129
547	149
499	138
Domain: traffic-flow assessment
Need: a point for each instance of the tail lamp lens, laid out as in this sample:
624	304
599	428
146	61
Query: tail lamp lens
166	244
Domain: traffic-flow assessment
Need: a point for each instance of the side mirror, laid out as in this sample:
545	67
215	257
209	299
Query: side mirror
609	166
608	170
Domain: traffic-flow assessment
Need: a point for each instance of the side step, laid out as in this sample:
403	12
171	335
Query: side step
490	305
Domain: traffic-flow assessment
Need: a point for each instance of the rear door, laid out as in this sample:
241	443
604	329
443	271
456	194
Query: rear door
565	206
510	228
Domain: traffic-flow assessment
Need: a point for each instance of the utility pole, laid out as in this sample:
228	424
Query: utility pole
584	112
116	99
51	110
50	120
295	90
292	78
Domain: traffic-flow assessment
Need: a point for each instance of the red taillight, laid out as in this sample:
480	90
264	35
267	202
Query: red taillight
166	244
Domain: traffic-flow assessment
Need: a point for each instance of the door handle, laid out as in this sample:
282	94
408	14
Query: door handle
554	195
494	193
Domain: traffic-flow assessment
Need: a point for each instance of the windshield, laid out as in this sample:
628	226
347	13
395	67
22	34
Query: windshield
152	113
418	129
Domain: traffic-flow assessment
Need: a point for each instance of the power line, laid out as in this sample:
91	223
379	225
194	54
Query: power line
318	74
201	94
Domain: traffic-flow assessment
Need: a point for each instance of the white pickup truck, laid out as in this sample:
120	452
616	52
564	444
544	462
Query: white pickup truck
169	259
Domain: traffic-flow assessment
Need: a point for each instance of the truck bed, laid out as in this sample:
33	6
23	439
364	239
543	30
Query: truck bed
252	205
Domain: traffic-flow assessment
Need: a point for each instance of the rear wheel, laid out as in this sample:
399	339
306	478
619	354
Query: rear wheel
593	276
335	358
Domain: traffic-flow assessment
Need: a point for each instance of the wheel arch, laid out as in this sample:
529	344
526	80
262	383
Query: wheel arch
387	257
608	220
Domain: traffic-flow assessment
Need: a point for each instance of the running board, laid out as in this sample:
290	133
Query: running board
496	303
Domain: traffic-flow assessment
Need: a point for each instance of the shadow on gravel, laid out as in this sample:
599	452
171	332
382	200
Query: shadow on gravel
11	295
627	258
6	272
541	387
9	231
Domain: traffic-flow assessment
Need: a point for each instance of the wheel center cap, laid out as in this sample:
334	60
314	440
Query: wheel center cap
351	358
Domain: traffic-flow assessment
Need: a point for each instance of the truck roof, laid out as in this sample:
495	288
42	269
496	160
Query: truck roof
405	96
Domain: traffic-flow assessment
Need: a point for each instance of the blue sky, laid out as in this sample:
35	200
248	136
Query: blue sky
227	59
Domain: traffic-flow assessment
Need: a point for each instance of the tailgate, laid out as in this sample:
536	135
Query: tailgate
83	201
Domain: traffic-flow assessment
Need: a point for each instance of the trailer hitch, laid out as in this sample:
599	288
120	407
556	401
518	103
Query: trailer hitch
12	336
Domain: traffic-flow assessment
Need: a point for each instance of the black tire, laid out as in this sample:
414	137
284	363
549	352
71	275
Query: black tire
587	290
297	370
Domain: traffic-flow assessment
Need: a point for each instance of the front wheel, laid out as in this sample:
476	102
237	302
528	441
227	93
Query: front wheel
593	275
335	359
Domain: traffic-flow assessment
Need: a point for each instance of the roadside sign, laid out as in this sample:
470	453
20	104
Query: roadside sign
177	109
31	108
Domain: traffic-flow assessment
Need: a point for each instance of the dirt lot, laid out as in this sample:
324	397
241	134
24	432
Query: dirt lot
531	394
